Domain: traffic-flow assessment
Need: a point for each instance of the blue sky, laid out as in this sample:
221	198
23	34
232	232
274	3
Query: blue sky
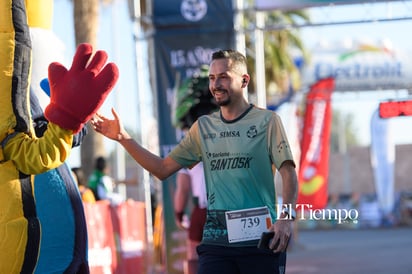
116	37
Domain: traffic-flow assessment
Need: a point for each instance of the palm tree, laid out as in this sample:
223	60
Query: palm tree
86	23
280	42
86	19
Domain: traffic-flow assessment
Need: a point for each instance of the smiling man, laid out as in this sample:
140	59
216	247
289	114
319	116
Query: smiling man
240	147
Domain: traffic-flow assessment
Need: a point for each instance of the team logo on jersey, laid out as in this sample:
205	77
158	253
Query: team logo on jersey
252	132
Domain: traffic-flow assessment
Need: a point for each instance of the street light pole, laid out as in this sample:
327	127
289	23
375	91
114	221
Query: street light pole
136	16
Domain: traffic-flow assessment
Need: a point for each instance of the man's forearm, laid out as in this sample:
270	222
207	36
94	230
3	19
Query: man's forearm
290	184
159	167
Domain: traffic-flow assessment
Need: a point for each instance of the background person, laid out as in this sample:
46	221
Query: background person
85	192
102	184
191	182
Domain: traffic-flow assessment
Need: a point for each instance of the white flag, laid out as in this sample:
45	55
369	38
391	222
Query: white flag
382	160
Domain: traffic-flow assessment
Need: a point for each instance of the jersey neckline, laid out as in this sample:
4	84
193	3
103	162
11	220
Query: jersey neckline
238	118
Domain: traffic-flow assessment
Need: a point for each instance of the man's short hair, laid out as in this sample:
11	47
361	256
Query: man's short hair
239	62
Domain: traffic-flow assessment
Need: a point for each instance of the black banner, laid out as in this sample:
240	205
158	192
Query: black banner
187	32
193	14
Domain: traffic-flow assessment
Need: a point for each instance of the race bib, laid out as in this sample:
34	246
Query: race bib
247	224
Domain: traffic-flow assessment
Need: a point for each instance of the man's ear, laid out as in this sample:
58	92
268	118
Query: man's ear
244	82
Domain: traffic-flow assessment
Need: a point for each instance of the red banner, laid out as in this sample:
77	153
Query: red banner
129	224
102	249
116	237
314	161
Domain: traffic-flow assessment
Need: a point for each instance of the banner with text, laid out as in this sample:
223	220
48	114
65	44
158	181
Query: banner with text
314	161
101	243
359	66
186	35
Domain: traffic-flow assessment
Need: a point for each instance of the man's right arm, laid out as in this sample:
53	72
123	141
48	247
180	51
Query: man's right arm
159	167
113	129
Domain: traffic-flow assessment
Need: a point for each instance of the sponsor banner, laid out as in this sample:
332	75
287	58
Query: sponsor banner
382	161
196	15
360	68
101	245
186	35
129	228
178	57
301	4
116	237
314	163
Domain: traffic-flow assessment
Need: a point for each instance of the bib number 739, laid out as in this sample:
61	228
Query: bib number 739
247	224
250	222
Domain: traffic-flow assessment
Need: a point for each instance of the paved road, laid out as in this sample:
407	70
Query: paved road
358	251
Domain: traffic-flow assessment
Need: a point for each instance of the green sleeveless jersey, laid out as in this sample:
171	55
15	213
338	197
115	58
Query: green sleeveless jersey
94	181
238	158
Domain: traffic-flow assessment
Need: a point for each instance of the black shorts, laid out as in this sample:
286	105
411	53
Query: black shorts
197	222
239	260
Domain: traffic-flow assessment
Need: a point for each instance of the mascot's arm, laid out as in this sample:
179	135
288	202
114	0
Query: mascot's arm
32	156
76	94
40	122
87	79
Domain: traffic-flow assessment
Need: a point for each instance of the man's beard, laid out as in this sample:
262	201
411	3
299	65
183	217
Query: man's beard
224	102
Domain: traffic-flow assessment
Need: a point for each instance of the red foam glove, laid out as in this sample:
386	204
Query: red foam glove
78	93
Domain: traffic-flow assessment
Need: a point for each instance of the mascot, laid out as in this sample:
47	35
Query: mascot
63	245
42	225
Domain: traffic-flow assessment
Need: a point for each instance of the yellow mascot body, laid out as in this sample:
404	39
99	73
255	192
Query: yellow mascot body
22	153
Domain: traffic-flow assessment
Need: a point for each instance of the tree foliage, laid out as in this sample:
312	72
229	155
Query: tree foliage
285	52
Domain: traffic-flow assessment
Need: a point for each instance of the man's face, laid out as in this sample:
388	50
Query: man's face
224	84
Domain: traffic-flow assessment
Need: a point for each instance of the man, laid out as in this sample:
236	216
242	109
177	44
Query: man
239	146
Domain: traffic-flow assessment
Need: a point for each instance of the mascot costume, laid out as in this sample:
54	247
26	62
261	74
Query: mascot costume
42	225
